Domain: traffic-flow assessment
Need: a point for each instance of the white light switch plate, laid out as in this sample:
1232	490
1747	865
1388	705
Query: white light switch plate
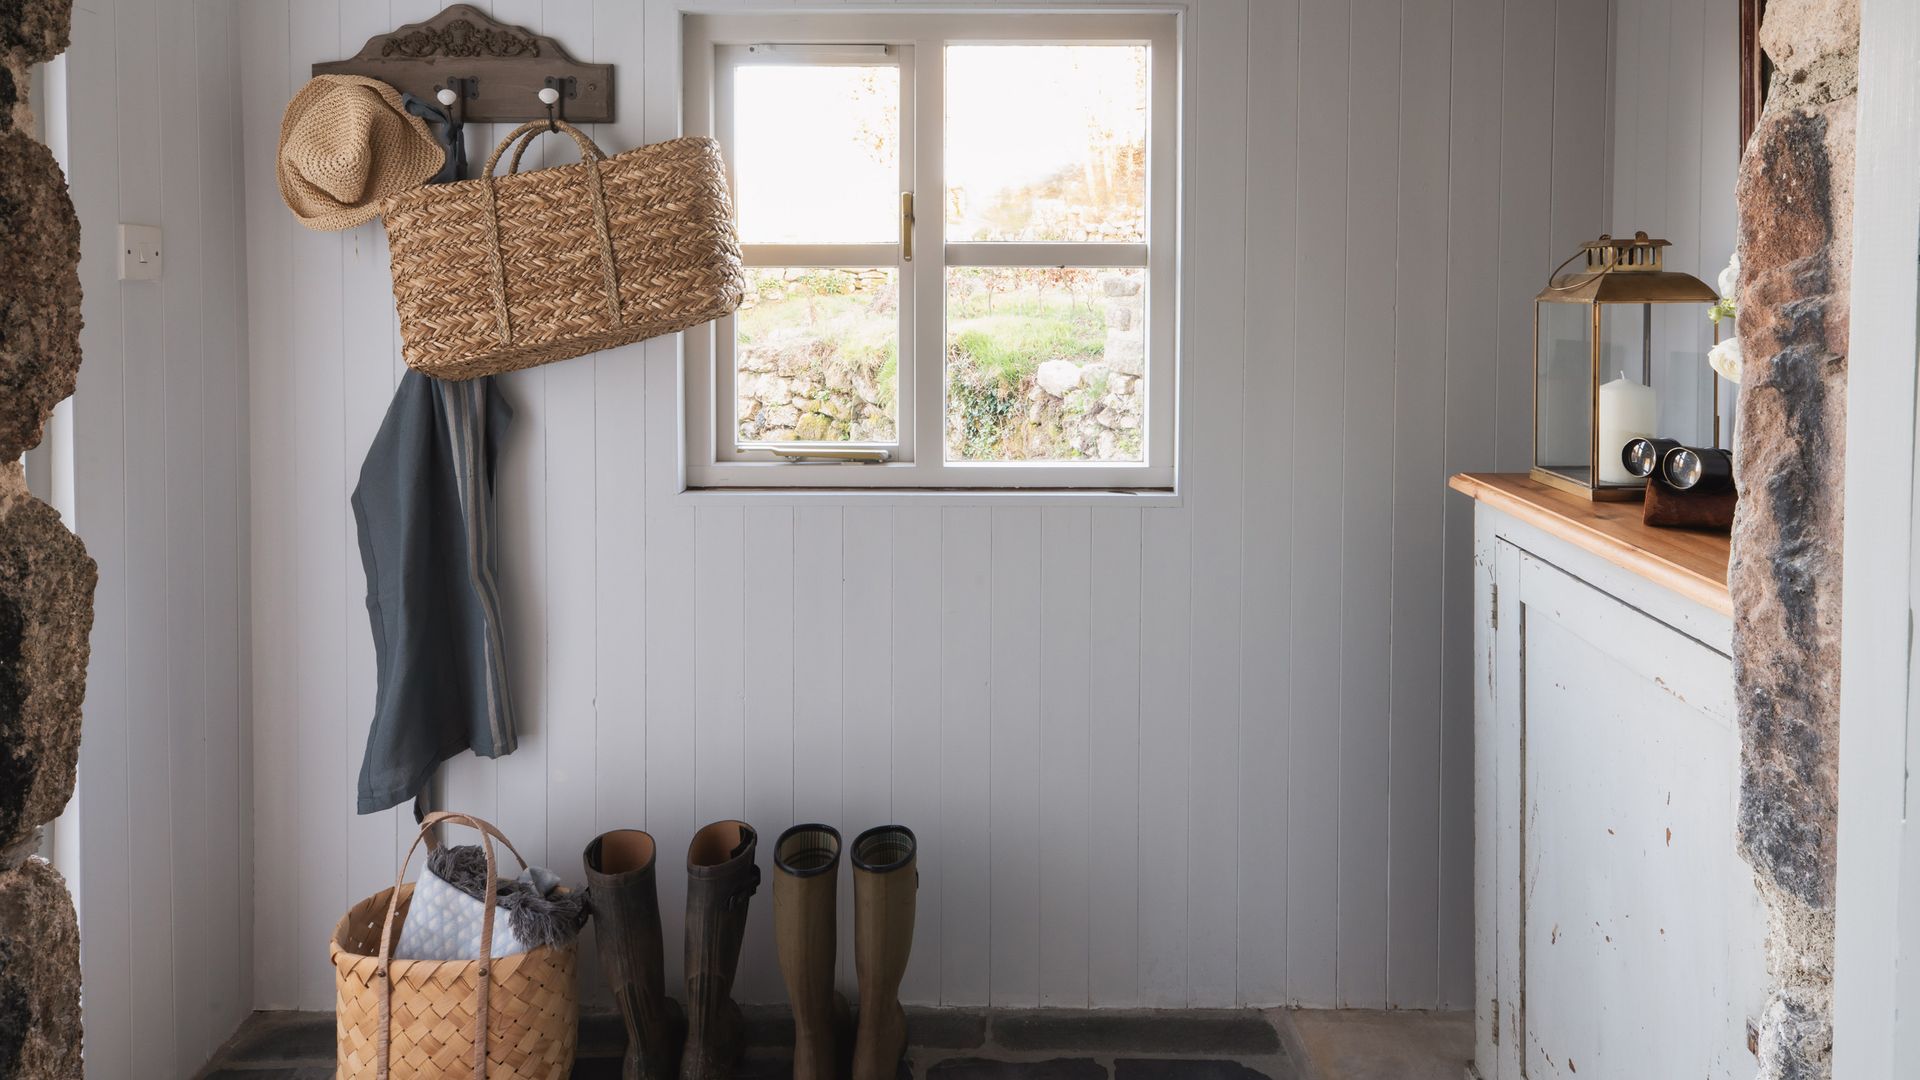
140	252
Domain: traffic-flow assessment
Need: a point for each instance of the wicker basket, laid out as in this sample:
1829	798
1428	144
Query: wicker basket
497	274
508	1016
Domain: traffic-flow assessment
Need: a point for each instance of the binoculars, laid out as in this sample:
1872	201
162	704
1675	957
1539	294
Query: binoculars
1682	468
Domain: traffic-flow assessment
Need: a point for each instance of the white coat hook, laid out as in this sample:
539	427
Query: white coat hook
549	96
453	97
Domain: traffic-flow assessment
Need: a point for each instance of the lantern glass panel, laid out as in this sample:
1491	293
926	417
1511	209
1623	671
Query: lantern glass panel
1563	390
1625	330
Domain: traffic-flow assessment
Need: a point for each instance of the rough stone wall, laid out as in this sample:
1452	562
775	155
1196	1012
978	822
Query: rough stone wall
31	31
39	290
46	614
1796	218
39	975
46	578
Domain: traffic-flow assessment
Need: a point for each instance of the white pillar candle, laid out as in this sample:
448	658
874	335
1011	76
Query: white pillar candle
1627	412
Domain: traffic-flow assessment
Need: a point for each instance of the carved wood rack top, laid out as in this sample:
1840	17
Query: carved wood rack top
496	70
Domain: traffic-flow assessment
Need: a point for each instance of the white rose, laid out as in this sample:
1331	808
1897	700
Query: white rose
1725	358
1730	277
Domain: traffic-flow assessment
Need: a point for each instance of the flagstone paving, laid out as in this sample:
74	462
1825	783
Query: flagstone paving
970	1044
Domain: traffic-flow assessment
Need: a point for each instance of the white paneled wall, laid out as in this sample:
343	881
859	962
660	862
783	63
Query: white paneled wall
1198	751
146	106
1676	121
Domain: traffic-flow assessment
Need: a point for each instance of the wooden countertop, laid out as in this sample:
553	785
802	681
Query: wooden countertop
1687	561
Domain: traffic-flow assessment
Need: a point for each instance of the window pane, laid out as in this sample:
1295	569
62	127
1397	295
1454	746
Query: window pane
1046	142
816	154
1046	364
817	356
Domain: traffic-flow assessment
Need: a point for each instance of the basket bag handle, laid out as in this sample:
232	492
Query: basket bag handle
533	129
589	150
591	156
488	834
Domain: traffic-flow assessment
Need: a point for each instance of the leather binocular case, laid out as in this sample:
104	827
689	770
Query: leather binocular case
1692	487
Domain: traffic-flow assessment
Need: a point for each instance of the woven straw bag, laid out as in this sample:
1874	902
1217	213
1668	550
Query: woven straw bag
509	1016
496	274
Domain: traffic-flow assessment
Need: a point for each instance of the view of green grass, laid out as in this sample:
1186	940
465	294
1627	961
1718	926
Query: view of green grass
823	314
816	333
1002	324
1008	347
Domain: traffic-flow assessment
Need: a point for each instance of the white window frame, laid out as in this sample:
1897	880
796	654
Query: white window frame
713	43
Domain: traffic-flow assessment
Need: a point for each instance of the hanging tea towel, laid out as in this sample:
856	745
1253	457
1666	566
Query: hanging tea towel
424	507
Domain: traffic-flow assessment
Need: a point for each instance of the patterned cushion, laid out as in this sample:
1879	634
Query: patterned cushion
444	923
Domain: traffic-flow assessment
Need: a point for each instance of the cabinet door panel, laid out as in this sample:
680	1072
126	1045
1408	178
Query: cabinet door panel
1640	934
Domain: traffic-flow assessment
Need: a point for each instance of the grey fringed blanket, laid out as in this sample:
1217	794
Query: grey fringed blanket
539	912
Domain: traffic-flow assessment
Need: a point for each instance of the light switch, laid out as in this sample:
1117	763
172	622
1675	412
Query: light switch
139	252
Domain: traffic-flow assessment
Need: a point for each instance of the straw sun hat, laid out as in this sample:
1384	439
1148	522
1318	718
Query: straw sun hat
346	144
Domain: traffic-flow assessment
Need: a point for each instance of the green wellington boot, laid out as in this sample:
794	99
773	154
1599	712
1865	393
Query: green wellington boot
626	917
721	878
886	877
806	875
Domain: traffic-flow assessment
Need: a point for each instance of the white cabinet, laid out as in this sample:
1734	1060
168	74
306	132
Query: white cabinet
1618	931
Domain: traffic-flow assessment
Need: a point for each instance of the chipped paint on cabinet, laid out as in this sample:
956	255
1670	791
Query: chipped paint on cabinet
1618	934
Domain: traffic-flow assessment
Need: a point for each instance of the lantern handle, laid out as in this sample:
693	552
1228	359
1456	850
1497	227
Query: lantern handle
1551	287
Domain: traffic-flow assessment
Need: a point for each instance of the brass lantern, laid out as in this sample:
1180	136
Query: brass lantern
1593	386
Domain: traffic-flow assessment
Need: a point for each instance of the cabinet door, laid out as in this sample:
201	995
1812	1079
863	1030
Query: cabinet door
1640	934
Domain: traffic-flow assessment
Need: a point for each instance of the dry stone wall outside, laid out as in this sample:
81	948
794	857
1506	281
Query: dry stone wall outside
1071	408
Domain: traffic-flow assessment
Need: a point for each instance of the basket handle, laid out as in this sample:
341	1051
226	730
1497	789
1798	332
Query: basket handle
520	149
532	129
526	140
591	155
488	834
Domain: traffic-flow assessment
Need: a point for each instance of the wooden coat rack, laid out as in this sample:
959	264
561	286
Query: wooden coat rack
495	71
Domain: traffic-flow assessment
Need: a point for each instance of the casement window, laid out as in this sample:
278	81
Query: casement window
960	238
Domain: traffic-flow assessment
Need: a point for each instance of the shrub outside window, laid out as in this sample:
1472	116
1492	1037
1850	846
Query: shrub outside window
959	234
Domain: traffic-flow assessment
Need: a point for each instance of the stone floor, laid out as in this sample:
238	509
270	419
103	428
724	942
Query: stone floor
964	1044
1356	1044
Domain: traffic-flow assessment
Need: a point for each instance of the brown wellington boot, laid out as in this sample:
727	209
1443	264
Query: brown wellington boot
885	879
626	915
806	873
721	877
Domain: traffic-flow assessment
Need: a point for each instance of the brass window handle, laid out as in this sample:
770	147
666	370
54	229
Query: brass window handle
906	226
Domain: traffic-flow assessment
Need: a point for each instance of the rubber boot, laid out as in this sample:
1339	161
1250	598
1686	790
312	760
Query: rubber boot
721	877
806	874
626	915
886	877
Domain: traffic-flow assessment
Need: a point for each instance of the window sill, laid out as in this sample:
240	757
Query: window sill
1145	498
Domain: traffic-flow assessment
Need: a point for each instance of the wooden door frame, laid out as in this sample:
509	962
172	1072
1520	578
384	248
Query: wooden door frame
1755	69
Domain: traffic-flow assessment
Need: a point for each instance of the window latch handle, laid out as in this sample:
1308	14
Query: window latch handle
906	226
857	455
